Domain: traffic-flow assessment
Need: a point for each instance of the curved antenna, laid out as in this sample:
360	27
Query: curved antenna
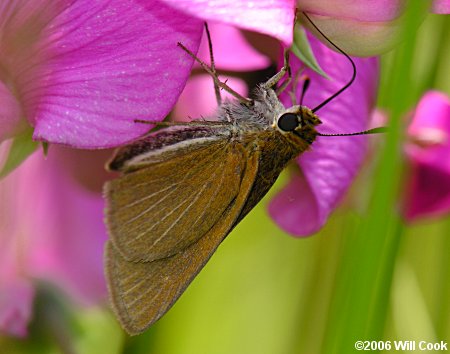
364	132
342	52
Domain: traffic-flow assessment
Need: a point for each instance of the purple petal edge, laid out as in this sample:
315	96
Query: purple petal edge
272	17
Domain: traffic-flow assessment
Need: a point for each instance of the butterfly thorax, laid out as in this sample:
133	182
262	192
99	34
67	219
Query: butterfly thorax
257	116
259	123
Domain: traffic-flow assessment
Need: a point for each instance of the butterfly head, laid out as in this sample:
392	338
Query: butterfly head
298	120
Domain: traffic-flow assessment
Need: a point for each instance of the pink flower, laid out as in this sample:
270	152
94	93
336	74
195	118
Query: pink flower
360	27
441	7
51	228
428	190
271	17
326	171
80	72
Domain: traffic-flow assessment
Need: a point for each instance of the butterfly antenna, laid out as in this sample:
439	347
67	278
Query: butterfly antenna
213	65
365	132
315	109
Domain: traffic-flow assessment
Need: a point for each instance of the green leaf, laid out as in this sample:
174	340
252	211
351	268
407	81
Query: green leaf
21	147
303	51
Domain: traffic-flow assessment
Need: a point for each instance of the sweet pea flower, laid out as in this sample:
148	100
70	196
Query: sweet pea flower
428	152
326	171
81	73
359	27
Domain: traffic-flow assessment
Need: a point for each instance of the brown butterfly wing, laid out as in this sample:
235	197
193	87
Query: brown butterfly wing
161	208
142	292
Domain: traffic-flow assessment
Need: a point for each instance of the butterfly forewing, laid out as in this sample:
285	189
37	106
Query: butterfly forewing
161	208
142	292
167	144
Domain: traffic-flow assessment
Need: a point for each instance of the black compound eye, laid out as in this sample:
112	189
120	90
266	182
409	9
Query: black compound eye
288	122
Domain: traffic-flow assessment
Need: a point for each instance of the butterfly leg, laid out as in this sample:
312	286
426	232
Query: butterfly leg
285	69
286	83
219	83
279	75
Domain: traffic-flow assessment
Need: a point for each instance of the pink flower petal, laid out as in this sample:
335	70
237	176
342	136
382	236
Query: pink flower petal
54	224
231	50
294	204
16	301
68	250
272	17
333	162
441	7
432	112
199	100
16	292
428	192
84	71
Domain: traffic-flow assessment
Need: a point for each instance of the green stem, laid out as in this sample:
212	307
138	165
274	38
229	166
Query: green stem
359	309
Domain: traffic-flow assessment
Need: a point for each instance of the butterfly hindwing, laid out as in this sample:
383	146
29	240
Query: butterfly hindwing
142	292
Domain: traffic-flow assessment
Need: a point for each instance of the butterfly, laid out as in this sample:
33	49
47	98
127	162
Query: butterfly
185	187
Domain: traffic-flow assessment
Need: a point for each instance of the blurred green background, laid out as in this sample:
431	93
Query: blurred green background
365	276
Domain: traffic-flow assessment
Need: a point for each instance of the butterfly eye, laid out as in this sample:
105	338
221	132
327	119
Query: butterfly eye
288	122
